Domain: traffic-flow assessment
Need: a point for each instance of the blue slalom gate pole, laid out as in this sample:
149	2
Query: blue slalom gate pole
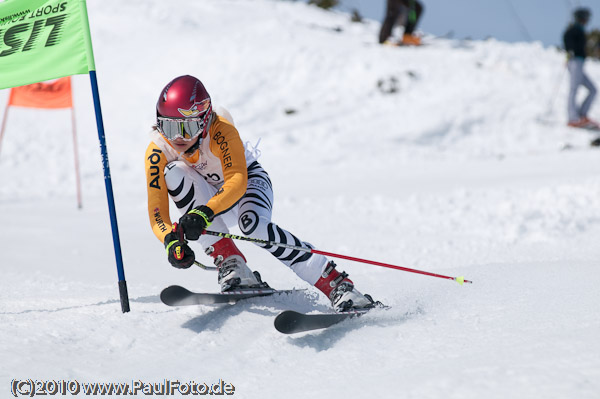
109	196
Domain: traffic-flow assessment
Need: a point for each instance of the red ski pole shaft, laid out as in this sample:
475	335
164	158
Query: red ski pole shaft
406	269
459	280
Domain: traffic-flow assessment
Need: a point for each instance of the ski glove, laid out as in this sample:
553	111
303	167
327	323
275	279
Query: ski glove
196	221
180	254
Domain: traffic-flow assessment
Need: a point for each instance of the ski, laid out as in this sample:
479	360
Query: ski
176	295
291	322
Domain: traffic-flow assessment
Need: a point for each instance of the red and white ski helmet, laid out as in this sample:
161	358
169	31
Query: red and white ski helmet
185	98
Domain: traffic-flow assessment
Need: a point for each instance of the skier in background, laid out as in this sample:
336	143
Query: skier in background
196	157
410	11
574	39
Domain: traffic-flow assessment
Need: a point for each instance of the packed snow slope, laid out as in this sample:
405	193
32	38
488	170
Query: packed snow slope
448	158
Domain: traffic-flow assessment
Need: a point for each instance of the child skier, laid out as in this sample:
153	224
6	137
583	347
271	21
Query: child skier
196	157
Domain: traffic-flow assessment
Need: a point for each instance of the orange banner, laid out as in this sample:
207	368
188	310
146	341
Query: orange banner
56	94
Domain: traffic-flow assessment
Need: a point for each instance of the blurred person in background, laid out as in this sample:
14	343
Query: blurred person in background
574	39
403	12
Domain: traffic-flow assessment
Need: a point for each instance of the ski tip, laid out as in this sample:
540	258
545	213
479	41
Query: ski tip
172	291
286	321
173	288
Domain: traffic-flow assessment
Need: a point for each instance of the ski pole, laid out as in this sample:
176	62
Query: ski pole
205	267
459	280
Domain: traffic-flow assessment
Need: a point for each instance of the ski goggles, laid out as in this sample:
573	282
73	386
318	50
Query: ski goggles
186	129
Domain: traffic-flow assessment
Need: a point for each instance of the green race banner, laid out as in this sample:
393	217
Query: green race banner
48	39
42	40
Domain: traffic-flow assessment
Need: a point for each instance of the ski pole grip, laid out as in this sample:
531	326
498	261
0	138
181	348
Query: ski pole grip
179	231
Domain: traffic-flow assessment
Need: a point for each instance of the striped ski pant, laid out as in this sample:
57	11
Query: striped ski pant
252	214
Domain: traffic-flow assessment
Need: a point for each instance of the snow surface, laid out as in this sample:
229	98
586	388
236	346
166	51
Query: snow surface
459	172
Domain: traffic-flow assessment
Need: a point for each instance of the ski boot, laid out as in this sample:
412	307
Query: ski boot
234	274
410	40
591	124
584	123
340	291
